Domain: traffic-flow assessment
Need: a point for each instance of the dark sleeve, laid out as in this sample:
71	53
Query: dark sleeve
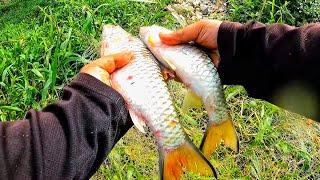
277	63
68	139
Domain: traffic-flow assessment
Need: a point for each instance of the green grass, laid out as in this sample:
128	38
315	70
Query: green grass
293	12
44	43
274	143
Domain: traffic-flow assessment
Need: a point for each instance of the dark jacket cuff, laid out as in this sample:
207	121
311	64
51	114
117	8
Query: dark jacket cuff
227	36
95	85
227	46
91	85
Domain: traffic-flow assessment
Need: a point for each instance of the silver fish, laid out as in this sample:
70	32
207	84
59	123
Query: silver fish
195	69
149	103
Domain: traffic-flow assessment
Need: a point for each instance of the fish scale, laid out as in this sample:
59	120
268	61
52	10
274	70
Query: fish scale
146	69
208	74
195	69
148	99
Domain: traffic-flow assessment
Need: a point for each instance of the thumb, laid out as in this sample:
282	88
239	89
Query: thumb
103	67
112	62
185	35
215	57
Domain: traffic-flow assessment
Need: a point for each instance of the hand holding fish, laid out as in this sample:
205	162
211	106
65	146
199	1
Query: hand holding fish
203	33
104	66
194	68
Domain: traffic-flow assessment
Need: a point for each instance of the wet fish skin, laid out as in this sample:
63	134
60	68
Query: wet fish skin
197	72
145	90
148	100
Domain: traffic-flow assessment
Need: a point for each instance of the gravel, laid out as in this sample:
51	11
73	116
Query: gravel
188	11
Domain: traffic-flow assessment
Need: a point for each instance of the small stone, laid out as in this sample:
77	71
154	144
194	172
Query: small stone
193	10
189	8
203	7
196	3
205	11
198	15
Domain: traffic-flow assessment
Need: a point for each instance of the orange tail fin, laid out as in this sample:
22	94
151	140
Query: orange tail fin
216	133
186	157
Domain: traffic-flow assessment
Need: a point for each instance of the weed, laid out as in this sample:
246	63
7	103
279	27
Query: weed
295	12
44	43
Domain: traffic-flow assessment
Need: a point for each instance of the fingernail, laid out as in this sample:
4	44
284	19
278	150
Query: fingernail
169	39
164	35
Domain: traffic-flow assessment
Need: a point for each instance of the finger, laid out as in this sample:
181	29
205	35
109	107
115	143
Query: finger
106	63
122	59
112	62
97	72
187	34
215	57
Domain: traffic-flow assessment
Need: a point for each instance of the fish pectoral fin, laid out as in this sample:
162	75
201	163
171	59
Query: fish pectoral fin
217	133
185	157
138	121
167	73
191	100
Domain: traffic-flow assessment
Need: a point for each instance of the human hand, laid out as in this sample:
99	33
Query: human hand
203	33
104	66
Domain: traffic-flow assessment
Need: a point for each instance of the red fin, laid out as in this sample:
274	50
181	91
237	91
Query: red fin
167	73
186	157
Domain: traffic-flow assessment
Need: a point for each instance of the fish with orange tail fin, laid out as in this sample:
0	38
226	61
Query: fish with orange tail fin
148	99
195	69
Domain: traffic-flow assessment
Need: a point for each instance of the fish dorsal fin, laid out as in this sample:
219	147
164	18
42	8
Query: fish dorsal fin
191	100
138	121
